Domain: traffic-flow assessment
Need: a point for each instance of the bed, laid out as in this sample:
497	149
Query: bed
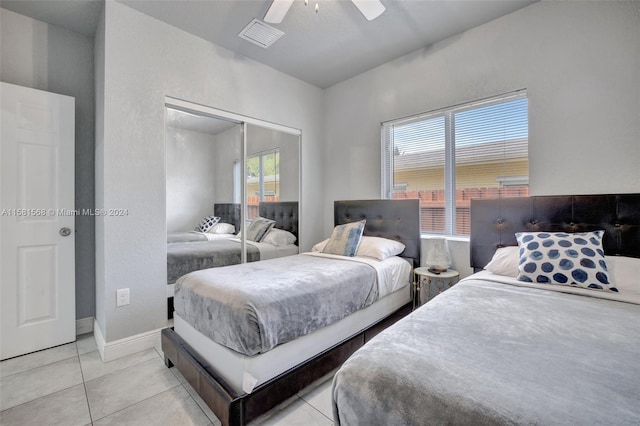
497	350
185	257
306	334
218	250
227	212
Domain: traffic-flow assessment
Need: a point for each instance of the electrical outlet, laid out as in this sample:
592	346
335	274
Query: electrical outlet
122	297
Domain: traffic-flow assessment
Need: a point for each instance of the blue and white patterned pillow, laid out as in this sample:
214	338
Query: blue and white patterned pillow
561	258
345	239
207	223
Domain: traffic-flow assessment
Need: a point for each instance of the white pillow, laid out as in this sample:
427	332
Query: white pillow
379	248
505	262
320	245
624	273
279	237
376	247
222	228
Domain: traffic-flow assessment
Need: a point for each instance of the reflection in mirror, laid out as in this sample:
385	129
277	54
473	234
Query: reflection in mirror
203	154
272	167
203	203
204	184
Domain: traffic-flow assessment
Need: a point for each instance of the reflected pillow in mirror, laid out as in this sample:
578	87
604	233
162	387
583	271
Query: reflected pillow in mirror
258	228
279	237
207	223
222	228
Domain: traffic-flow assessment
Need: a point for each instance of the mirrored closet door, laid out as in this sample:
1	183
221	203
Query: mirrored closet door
223	171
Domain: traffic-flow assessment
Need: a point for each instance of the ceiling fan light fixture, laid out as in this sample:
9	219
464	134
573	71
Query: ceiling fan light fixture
371	9
277	11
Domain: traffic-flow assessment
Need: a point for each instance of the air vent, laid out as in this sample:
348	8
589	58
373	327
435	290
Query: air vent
257	32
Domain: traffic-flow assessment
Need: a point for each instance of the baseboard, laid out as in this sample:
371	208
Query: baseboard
84	325
97	334
127	346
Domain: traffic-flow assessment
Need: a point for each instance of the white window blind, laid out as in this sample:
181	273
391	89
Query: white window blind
447	157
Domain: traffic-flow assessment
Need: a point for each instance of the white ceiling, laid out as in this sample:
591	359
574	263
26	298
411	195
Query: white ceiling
322	49
80	16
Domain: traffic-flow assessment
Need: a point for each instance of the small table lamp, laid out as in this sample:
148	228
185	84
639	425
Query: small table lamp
437	255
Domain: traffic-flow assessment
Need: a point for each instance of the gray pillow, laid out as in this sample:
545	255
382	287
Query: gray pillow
258	228
345	239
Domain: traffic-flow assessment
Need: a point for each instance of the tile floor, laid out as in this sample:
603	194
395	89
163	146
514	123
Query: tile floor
70	385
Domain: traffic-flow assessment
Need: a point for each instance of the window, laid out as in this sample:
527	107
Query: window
263	180
450	156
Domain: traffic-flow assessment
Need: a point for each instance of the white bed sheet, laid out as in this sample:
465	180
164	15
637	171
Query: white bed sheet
245	372
392	272
622	296
213	237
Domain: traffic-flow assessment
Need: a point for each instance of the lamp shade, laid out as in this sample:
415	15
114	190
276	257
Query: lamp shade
437	255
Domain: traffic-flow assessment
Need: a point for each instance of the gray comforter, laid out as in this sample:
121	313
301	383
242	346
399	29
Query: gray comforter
487	353
253	307
183	258
185	237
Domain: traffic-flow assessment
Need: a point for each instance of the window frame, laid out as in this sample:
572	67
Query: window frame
448	113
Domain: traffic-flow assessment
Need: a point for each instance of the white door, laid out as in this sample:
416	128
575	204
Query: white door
37	249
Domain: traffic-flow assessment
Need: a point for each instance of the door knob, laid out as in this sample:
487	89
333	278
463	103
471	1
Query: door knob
65	232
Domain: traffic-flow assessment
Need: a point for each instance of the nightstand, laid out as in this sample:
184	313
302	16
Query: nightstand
441	282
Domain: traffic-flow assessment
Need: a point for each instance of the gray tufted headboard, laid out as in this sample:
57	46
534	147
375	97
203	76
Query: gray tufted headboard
393	219
285	213
495	222
228	213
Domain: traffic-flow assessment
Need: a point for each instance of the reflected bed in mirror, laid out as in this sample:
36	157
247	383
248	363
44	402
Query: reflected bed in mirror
185	257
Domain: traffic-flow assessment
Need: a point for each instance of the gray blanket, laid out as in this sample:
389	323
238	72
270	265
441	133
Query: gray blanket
253	307
185	237
183	258
486	353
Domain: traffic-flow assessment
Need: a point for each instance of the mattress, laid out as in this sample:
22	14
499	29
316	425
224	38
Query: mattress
244	372
487	352
252	308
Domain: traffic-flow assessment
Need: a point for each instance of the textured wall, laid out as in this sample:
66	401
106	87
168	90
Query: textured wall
579	62
42	56
146	60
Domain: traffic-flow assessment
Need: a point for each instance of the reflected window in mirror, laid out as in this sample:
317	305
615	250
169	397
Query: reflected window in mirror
263	180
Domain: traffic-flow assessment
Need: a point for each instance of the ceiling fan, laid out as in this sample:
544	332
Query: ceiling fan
371	9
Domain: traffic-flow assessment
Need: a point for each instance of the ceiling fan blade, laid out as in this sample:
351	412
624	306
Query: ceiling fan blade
371	9
277	11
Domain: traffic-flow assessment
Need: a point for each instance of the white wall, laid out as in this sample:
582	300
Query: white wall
191	178
45	57
580	63
228	150
145	60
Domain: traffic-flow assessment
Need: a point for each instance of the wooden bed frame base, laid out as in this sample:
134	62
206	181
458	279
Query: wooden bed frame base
236	408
